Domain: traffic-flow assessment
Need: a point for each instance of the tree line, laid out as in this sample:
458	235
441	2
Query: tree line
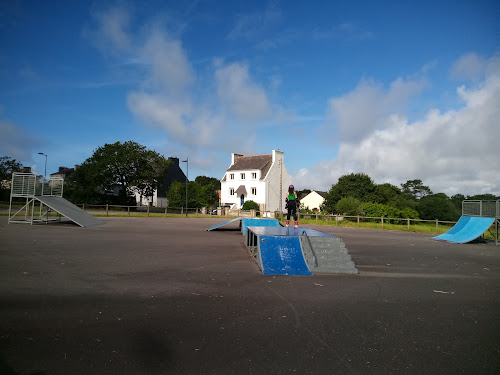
357	194
116	172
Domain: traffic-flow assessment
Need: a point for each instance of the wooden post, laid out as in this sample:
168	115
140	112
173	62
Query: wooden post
336	219
182	211
83	207
408	223
107	209
437	226
148	209
358	220
165	211
382	220
128	209
316	218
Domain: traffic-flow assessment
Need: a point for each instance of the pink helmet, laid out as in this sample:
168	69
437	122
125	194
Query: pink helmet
291	187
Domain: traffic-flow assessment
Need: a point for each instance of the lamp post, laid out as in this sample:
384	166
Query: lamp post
187	173
45	175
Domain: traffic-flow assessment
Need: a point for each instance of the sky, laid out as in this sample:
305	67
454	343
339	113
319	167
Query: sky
398	90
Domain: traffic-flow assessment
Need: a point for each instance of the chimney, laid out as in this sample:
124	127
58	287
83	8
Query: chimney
235	157
174	160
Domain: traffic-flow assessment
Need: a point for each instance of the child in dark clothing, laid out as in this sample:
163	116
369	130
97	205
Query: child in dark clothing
292	204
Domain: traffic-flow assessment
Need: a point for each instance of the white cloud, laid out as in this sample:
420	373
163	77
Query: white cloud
16	143
244	98
111	33
451	152
470	66
368	106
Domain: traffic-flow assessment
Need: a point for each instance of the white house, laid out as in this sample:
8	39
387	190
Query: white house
260	178
313	200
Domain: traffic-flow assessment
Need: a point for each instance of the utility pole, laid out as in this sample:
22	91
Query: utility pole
187	180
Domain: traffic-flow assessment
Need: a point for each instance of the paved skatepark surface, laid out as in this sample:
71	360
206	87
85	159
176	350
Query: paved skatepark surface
164	296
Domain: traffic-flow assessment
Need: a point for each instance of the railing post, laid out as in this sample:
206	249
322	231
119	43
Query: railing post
336	219
107	209
165	211
437	225
148	210
408	223
358	220
182	211
382	221
128	209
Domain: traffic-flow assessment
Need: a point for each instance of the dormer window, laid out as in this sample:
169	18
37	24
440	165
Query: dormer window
242	176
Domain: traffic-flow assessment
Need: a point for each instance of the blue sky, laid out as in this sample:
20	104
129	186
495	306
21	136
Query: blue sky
397	90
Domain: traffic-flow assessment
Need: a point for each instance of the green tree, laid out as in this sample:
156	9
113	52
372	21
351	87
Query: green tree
127	167
415	189
7	167
177	194
386	193
349	206
437	206
356	185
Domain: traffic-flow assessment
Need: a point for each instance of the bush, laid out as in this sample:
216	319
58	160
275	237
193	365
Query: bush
250	205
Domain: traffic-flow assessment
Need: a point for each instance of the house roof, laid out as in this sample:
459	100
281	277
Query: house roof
259	162
322	193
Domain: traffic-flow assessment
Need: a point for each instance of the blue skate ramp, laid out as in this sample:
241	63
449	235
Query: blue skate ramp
223	224
467	229
282	256
258	223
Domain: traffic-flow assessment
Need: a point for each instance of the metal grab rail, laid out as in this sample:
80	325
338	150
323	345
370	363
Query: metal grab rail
315	261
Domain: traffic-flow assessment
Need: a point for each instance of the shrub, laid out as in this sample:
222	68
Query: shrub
349	206
250	205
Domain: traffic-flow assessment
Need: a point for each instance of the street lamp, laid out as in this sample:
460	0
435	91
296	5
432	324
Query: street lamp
45	175
187	173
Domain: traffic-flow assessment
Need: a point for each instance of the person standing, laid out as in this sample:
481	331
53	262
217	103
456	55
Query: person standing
292	204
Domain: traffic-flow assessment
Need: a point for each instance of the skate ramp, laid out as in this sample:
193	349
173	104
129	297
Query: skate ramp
223	224
256	222
282	256
467	229
69	210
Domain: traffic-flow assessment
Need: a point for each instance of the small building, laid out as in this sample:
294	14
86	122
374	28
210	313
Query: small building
314	200
260	178
159	198
63	172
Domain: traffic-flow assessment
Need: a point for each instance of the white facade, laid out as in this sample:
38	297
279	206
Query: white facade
261	178
313	200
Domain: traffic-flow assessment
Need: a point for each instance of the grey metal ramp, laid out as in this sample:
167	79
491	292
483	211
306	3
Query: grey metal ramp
69	210
223	224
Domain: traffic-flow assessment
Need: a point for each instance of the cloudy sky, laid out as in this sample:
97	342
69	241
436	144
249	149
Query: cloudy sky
397	91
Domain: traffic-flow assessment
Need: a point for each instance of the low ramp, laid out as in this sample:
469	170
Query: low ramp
69	210
255	222
467	229
223	224
281	256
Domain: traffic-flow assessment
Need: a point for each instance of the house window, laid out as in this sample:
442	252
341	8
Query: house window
231	191
254	175
231	176
254	191
242	176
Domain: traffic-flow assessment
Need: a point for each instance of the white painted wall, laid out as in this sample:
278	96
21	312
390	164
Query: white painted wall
312	201
276	192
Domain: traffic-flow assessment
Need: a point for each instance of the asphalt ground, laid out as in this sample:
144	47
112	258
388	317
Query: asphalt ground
164	296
